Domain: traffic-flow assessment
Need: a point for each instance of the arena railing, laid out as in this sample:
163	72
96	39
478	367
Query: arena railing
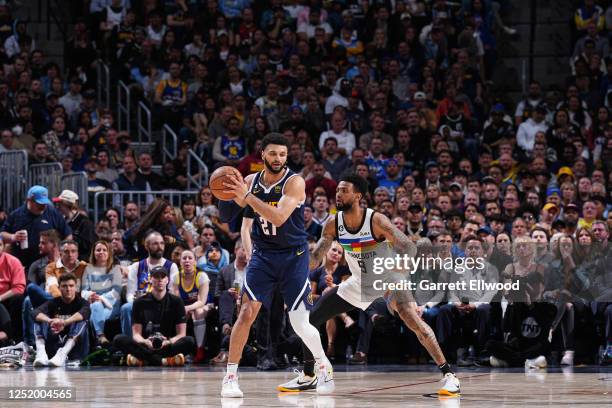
140	147
106	199
124	101
48	175
103	84
13	178
77	182
169	144
144	130
199	178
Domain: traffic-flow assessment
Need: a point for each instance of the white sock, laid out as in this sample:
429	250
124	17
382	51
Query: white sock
307	332
68	346
232	368
199	329
40	345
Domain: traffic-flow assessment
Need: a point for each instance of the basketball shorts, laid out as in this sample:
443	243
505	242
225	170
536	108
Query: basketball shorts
287	268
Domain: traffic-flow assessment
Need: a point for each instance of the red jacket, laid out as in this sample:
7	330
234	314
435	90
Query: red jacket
12	274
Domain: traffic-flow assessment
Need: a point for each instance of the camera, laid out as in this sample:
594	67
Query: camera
157	339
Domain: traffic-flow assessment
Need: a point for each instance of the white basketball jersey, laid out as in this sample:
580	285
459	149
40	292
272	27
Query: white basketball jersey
360	250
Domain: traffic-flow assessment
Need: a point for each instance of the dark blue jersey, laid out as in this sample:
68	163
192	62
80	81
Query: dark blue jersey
264	235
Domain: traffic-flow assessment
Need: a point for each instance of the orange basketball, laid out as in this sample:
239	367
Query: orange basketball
217	179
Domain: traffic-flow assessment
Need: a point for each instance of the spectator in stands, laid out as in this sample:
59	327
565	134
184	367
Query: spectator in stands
139	276
335	162
67	263
192	286
230	148
320	204
312	227
145	169
12	288
469	309
23	226
158	217
345	139
131	214
253	162
72	100
330	274
61	326
227	290
106	171
319	179
130	179
83	231
101	287
58	138
119	252
159	327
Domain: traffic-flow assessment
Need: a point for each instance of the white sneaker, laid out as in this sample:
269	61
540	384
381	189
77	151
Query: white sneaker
302	382
230	388
325	378
568	358
59	359
498	362
41	359
538	362
450	385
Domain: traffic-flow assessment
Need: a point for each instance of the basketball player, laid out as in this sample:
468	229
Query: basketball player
274	200
365	235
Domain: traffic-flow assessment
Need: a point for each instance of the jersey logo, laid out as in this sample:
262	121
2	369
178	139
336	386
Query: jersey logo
300	252
256	189
278	189
309	299
340	228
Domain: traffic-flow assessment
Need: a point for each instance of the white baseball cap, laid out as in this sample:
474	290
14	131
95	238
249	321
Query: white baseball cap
67	196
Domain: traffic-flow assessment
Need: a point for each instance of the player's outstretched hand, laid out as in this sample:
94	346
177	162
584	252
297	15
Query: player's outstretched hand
238	187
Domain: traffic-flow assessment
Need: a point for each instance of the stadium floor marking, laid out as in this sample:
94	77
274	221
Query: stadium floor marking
412	384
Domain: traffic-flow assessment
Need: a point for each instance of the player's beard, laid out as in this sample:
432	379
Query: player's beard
344	206
271	169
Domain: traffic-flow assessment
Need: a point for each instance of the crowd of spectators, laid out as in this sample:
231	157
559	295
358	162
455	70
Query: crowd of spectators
398	92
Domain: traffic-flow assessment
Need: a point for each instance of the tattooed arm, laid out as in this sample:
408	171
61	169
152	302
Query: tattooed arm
327	238
382	227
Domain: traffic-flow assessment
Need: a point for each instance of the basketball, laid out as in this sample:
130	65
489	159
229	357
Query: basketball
217	179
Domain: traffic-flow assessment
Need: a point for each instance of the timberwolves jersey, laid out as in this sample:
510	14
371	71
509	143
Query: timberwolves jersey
264	234
361	248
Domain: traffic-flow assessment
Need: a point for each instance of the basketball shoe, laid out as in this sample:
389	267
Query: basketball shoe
230	388
450	385
325	377
302	382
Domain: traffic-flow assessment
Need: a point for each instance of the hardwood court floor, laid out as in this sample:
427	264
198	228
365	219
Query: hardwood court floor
356	387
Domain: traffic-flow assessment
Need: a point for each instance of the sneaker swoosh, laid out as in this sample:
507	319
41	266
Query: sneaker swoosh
300	252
